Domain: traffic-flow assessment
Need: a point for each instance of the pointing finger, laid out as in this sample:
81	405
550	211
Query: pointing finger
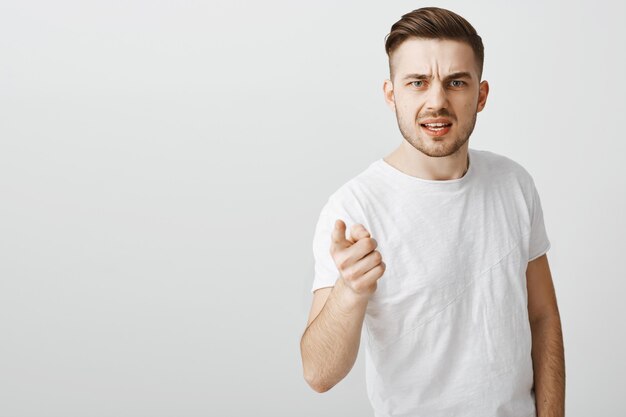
338	238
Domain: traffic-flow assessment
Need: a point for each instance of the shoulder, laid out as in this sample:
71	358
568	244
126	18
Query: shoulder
351	191
348	198
502	167
508	177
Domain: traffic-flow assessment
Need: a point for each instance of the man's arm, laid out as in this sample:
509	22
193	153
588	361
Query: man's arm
330	343
547	340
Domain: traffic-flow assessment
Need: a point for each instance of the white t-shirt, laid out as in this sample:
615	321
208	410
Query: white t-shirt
447	328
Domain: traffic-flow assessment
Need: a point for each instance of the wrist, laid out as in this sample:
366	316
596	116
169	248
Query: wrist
348	297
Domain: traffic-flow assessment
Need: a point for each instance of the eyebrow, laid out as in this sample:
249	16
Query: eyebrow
460	74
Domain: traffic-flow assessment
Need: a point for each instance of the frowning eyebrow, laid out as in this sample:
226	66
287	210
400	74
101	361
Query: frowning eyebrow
454	75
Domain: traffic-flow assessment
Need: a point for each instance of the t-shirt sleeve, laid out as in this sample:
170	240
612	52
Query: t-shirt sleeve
539	242
326	272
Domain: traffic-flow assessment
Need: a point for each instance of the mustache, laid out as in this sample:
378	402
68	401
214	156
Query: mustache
435	115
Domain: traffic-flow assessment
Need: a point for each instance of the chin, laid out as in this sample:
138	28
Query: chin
438	148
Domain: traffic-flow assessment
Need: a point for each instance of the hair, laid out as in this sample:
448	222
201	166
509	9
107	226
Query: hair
434	23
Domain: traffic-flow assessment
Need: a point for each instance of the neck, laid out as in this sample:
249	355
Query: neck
417	164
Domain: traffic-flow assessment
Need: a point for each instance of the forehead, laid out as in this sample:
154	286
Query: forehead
438	57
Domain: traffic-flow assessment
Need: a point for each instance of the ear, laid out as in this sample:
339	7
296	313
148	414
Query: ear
388	92
483	92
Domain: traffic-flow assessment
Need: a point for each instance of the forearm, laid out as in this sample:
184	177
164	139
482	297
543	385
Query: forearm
549	367
330	344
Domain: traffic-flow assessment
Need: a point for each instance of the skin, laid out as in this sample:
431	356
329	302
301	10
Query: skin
414	100
547	340
330	343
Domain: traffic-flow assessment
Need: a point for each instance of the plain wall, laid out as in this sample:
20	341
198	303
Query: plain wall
163	164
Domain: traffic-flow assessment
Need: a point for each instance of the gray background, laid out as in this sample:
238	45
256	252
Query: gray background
163	164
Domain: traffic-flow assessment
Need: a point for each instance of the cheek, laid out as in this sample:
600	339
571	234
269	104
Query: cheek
409	116
408	109
468	107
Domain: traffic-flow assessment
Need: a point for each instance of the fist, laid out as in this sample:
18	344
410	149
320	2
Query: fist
356	258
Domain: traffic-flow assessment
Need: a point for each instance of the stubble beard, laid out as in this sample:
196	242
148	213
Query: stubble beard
434	147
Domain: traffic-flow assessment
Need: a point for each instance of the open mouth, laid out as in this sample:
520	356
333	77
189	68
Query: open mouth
436	129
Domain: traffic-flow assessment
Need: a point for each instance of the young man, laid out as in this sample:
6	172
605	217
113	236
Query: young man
445	260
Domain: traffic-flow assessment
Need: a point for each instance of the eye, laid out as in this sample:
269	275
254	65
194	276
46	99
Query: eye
458	81
413	83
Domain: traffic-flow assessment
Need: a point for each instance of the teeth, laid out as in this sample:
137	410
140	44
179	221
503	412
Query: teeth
436	124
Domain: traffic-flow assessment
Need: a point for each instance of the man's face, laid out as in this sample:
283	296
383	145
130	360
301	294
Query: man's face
435	79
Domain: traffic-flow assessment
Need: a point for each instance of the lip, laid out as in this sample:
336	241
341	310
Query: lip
437	120
433	133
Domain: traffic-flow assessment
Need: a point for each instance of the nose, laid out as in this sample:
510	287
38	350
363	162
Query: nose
437	97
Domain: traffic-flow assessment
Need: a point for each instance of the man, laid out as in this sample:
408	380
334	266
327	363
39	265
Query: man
445	261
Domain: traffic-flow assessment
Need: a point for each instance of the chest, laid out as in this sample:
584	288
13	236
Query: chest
435	245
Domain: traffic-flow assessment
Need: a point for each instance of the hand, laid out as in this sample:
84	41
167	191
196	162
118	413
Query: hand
358	262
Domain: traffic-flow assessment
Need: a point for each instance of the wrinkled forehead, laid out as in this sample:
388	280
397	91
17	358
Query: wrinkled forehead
436	57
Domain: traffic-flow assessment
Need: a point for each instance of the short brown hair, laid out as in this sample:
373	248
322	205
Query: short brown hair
434	23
